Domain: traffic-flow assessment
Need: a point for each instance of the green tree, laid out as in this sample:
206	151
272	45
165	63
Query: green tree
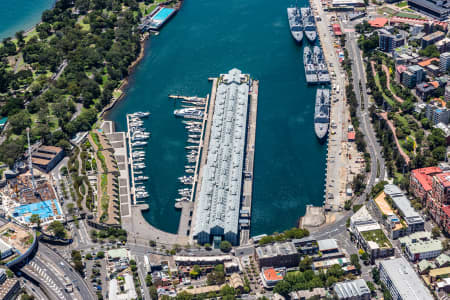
283	288
435	232
153	292
331	280
376	275
430	51
19	122
305	263
57	228
148	280
35	219
225	246
354	259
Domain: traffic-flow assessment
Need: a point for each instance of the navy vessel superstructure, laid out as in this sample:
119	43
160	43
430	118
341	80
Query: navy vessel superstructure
322	113
309	24
323	76
310	68
295	23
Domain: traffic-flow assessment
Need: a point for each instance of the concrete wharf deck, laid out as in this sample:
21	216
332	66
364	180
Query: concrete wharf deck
247	191
130	160
187	207
203	154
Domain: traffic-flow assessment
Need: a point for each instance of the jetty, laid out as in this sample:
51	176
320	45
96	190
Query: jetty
249	162
233	96
131	162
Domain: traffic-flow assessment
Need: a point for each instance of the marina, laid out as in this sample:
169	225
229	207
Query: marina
154	80
136	136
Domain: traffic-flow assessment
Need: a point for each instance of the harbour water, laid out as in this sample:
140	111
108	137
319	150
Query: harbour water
207	38
18	15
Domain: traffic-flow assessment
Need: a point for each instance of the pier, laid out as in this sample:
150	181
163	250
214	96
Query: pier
188	208
130	161
227	172
247	192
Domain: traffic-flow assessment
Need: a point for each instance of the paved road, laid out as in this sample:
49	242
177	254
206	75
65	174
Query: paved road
377	160
142	274
49	255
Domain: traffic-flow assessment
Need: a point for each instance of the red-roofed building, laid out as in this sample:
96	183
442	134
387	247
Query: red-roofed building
337	29
378	22
439	196
441	187
421	181
446	219
435	84
351	136
272	276
427	62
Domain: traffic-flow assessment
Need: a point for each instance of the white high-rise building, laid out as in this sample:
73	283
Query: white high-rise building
444	63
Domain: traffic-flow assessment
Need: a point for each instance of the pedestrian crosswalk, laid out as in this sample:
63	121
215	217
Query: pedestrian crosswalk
40	273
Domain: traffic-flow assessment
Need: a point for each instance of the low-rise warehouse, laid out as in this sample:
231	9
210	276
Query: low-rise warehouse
402	281
278	255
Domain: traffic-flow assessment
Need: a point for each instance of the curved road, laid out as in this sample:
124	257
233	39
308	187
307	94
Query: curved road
377	160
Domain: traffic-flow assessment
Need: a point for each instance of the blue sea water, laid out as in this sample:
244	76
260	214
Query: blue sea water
207	38
204	39
18	15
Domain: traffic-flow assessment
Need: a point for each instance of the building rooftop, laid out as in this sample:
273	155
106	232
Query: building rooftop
430	5
277	249
427	62
433	35
4	246
439	272
405	279
424	246
362	216
378	22
376	236
350	289
424	176
220	195
425	87
421	241
328	244
415	68
403	204
424	265
442	259
118	253
272	274
6	286
383	205
401	68
444	179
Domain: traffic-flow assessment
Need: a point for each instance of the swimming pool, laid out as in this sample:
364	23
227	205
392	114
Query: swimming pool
162	14
43	209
